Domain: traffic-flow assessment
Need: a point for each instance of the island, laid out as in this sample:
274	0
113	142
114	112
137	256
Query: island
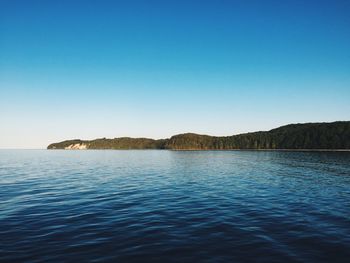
306	136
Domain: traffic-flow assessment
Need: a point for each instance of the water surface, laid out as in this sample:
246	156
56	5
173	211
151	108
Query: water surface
165	206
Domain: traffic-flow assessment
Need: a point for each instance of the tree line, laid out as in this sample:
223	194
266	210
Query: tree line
335	135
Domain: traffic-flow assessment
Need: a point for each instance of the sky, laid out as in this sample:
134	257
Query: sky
92	69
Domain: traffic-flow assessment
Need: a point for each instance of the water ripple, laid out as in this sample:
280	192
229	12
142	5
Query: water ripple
165	206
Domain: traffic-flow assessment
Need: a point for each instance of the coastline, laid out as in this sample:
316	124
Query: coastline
208	150
333	136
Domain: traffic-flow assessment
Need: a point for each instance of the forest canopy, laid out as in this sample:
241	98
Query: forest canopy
335	135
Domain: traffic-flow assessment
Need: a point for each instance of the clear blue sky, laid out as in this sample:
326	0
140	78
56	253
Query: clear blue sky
87	69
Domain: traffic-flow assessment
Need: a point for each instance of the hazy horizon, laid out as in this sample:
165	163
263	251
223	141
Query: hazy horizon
88	69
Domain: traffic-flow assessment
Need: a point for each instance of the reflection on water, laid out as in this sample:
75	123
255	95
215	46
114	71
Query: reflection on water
138	206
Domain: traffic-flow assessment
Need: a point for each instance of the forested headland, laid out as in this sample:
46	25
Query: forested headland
334	135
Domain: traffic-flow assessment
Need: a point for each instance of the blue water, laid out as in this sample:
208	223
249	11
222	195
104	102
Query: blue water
172	206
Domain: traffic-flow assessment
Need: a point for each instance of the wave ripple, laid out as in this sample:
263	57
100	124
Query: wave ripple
168	206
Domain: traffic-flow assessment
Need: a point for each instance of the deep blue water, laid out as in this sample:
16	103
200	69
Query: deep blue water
173	206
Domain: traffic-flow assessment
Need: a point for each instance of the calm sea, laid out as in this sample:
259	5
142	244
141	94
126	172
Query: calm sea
173	206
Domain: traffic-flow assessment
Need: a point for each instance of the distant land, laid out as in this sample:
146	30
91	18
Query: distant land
307	136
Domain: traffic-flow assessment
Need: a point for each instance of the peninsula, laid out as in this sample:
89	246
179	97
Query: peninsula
308	136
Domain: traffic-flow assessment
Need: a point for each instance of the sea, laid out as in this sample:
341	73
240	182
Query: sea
174	206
